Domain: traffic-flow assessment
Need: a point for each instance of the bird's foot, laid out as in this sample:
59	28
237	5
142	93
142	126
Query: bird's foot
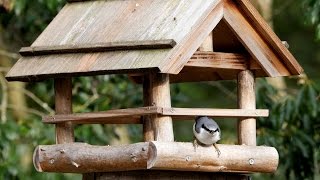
217	149
195	145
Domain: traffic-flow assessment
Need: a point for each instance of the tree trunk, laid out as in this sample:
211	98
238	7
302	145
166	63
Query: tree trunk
16	98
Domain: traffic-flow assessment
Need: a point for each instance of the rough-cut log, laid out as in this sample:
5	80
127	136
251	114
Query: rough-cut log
246	100
83	158
160	96
233	158
148	131
63	105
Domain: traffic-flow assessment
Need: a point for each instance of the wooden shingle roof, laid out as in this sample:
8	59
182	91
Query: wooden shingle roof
131	36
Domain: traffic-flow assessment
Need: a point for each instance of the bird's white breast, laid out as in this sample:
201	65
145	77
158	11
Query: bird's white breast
205	137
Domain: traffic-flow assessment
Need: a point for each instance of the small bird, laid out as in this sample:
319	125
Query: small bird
206	132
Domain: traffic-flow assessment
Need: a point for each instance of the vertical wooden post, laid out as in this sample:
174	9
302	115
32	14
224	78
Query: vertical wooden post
246	100
160	96
148	133
63	105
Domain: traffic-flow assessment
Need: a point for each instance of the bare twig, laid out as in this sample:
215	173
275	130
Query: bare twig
4	101
35	99
28	110
225	90
9	54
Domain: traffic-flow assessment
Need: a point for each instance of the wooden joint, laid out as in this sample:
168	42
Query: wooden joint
155	155
133	115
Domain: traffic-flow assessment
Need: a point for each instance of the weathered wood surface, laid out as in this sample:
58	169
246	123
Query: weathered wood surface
117	116
254	42
84	158
63	105
160	96
133	115
177	59
262	27
218	60
246	100
102	47
134	20
148	131
183	113
167	175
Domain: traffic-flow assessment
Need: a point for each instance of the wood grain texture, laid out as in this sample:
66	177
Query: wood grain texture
262	27
117	116
134	20
185	113
84	158
102	47
160	96
181	53
233	158
254	42
63	105
148	130
133	115
219	60
246	100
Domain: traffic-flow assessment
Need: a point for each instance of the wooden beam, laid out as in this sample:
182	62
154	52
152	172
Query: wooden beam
84	158
246	101
193	40
133	115
160	96
63	105
117	116
218	60
262	27
185	113
148	130
102	47
253	42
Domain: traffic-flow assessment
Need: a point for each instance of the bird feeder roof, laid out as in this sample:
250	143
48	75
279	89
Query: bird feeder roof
132	36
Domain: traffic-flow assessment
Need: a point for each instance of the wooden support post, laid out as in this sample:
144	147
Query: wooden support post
63	105
148	132
160	96
246	100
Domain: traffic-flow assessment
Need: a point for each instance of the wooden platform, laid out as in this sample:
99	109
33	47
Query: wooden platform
133	115
175	156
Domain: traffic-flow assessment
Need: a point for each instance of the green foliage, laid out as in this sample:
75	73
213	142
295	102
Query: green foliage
293	128
312	14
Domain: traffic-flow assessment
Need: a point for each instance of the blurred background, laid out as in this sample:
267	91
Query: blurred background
293	126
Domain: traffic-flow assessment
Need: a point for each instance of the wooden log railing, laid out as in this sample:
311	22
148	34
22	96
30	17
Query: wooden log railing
134	115
155	155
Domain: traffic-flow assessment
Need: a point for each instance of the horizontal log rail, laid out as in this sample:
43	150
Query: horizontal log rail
133	115
85	158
